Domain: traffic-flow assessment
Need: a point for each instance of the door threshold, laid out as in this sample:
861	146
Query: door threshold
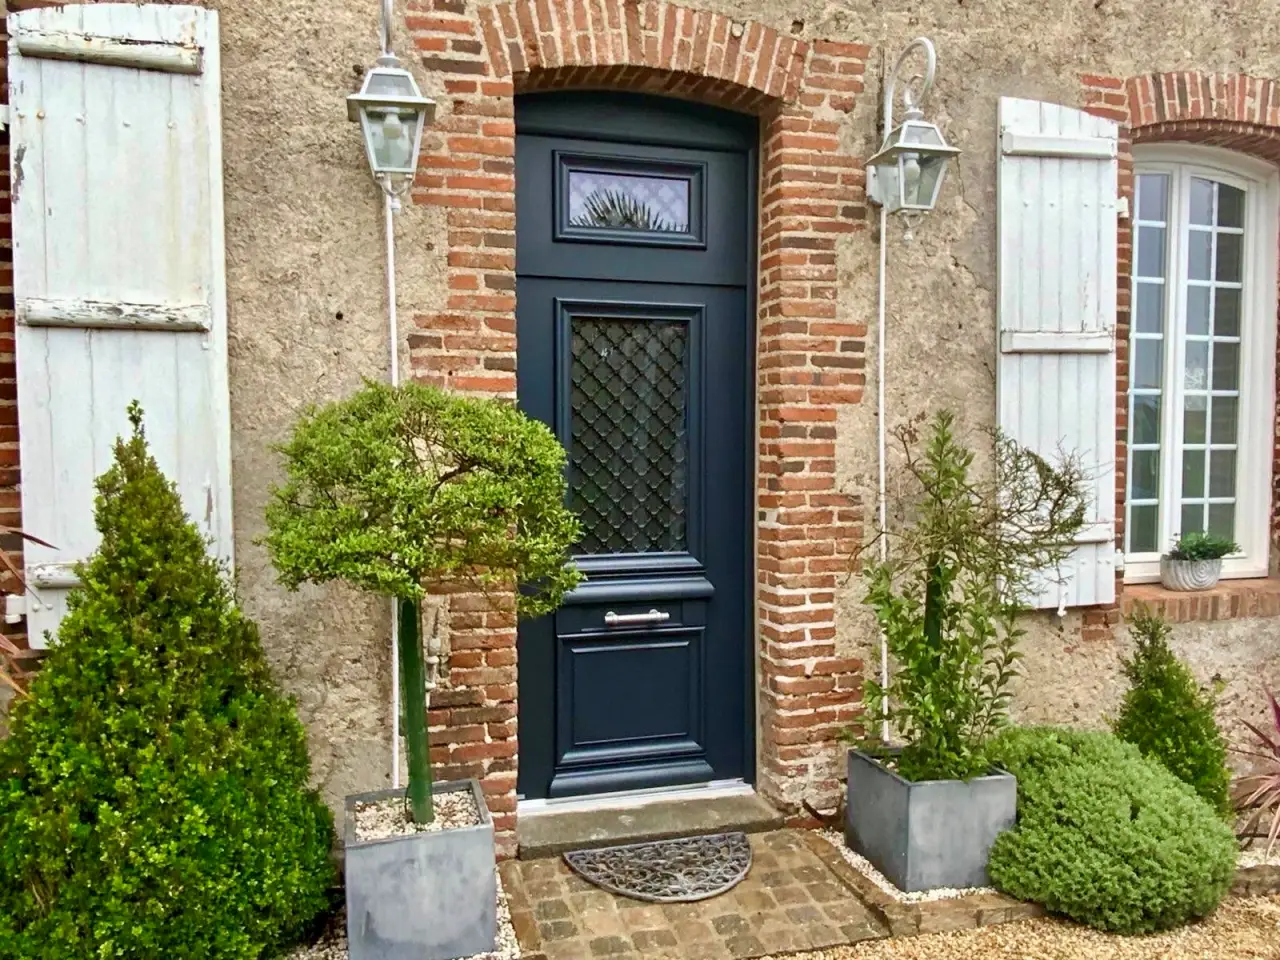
627	799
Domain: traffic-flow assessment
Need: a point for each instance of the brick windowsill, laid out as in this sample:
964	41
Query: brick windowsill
1229	600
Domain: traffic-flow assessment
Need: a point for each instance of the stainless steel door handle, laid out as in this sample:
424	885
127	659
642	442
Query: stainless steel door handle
612	619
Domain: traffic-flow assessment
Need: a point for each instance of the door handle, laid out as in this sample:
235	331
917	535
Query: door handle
612	619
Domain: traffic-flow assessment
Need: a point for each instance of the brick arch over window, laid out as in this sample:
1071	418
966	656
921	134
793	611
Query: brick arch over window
810	357
1229	110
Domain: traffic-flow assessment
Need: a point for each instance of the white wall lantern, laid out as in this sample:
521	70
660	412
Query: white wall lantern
906	174
392	113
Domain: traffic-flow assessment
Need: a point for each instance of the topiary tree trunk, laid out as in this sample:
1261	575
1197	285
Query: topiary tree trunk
413	686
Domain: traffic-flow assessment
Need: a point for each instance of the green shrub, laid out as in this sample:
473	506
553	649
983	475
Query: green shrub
1202	546
1106	836
153	793
1167	716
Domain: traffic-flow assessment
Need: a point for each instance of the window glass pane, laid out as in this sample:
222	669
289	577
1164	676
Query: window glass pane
1193	419
1149	313
1192	518
1198	254
1222	473
1198	311
1230	206
628	201
1147	362
1153	191
1197	376
1226	366
1225	413
1226	312
1143	535
1192	474
1201	201
1222	519
1151	251
1146	419
1144	475
1230	253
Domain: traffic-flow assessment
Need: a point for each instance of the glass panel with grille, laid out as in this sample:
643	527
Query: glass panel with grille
628	449
625	201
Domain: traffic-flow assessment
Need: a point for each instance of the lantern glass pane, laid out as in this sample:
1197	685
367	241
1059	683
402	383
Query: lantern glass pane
933	171
390	135
924	133
390	84
888	188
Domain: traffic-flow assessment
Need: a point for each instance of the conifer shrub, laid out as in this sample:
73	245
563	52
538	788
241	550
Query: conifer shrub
1106	836
153	791
1170	718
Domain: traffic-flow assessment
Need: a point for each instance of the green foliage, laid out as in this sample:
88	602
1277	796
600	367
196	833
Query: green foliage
1169	718
396	488
153	792
1202	546
1106	836
949	596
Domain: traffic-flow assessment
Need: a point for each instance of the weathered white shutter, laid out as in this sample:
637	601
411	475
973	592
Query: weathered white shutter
1056	377
119	276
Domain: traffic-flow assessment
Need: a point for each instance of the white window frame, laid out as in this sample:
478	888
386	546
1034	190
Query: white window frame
1255	438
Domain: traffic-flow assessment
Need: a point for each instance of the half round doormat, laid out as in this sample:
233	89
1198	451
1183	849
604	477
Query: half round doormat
667	871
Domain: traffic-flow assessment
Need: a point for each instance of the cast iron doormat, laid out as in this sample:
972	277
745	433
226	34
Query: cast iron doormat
667	871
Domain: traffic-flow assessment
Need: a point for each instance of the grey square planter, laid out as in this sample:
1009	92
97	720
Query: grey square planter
426	896
935	833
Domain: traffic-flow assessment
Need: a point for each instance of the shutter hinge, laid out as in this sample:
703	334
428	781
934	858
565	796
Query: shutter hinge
1122	208
1119	561
15	607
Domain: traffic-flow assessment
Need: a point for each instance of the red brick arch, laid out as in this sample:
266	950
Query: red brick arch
1229	110
810	357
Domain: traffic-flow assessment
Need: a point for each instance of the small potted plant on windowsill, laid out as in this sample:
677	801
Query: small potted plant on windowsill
948	600
396	490
1195	562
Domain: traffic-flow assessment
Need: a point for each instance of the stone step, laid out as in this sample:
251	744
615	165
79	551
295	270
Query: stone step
550	833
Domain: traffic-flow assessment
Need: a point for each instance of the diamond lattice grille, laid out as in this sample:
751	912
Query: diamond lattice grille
628	450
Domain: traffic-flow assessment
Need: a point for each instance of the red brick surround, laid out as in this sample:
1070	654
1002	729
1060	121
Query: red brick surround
1232	111
810	361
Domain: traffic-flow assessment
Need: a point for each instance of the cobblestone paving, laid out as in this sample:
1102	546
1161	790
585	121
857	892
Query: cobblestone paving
790	901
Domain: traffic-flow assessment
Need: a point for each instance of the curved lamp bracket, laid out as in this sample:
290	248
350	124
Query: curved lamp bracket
913	101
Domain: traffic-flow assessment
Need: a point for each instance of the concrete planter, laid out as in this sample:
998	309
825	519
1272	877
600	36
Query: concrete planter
1189	574
935	833
426	896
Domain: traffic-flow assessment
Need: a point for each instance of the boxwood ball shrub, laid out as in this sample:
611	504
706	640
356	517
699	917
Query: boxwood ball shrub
1106	836
1169	717
153	791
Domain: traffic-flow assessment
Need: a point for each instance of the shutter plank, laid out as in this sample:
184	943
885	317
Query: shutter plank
1057	202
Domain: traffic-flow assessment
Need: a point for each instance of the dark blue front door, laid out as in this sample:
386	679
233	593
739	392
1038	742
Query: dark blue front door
635	225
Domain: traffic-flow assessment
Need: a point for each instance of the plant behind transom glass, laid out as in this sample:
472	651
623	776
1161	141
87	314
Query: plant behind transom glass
949	595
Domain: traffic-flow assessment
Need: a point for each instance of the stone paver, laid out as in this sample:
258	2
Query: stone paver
791	900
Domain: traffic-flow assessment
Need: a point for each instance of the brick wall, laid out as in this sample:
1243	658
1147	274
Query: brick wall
811	358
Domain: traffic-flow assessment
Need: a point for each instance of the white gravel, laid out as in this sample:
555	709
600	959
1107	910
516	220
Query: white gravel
387	818
333	945
864	867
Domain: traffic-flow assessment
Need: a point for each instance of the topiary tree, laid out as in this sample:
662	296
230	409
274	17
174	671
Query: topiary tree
1106	836
153	791
395	489
1168	717
949	596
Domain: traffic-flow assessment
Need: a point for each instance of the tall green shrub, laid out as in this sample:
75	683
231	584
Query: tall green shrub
1106	836
1169	717
153	793
394	489
949	596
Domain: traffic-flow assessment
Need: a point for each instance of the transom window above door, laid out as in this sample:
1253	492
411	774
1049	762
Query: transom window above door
1201	355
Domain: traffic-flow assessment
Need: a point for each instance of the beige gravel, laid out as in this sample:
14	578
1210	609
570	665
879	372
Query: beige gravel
389	818
1241	929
